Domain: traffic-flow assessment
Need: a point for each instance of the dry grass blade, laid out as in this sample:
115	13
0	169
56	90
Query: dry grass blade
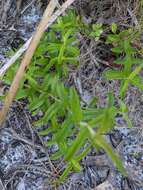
27	58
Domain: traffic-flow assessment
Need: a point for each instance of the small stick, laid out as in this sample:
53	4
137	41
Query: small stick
13	59
25	8
26	60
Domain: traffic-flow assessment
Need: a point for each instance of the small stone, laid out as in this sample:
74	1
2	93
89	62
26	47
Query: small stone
105	186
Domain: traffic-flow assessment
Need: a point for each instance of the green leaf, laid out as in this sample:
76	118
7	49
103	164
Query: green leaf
123	107
46	131
113	38
70	60
84	153
117	49
96	31
130	78
77	143
75	106
22	93
100	141
113	74
125	33
65	173
128	48
92	113
138	82
36	103
114	27
136	61
62	134
51	112
110	99
32	82
108	120
62	93
56	155
50	143
72	51
76	165
62	49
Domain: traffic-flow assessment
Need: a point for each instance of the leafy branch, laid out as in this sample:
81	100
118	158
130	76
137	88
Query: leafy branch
127	57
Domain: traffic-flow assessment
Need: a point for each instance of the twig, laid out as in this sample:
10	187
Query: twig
26	60
1	185
134	19
32	144
26	45
25	8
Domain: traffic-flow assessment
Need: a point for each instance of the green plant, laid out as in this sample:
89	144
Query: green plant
57	49
93	31
123	47
75	129
97	30
114	28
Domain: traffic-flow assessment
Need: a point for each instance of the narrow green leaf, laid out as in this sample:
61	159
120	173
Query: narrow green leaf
62	134
110	99
76	165
130	78
113	74
36	103
77	143
75	106
53	109
56	155
111	153
100	141
46	131
65	173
